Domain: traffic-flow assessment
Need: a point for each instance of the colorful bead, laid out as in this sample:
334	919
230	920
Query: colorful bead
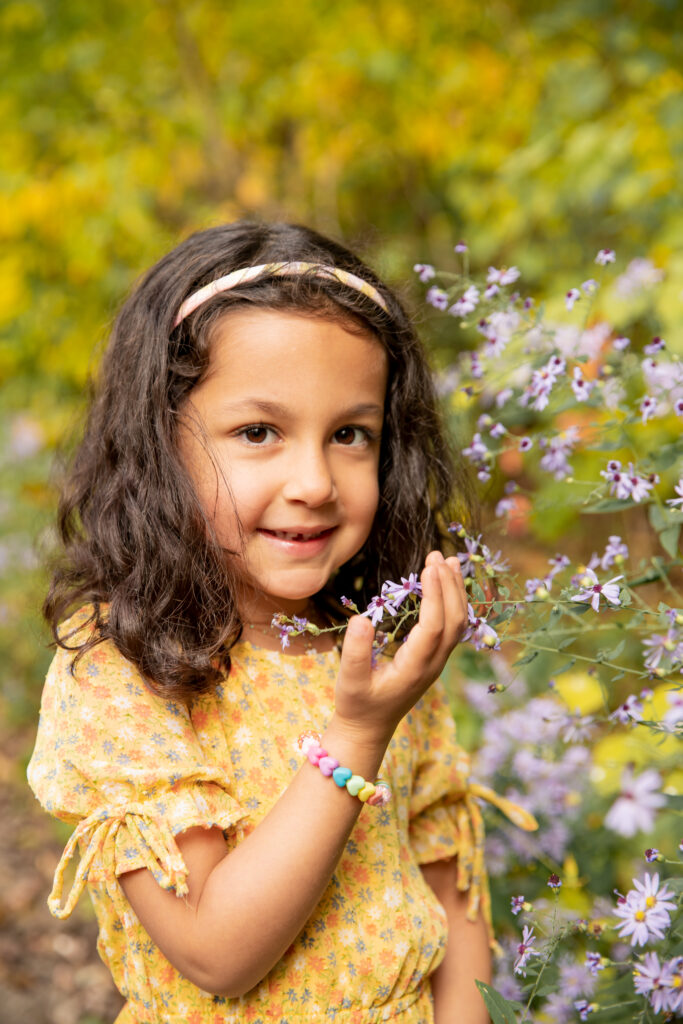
376	794
315	754
341	776
328	764
355	784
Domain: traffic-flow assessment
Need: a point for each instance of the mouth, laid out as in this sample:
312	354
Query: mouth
299	535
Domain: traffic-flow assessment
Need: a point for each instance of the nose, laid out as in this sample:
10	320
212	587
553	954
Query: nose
309	478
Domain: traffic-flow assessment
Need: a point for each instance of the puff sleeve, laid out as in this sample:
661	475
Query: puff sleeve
445	819
125	767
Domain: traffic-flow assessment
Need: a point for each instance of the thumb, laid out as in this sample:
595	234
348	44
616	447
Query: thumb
356	654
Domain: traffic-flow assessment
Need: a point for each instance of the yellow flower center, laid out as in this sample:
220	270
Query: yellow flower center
639	915
650	901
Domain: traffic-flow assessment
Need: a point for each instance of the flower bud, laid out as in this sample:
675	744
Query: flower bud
489	641
679	619
541	593
669	645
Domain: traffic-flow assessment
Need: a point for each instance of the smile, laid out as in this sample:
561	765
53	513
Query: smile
300	536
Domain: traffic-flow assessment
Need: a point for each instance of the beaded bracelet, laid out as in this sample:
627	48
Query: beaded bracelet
377	793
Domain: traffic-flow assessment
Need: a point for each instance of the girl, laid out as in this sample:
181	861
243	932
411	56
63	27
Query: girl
264	441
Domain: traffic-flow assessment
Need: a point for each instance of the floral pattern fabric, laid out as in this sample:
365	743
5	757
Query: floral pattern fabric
131	770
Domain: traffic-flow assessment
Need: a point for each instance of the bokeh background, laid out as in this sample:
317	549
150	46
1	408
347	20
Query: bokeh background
539	133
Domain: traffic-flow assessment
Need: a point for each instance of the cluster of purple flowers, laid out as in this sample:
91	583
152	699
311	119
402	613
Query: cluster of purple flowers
644	911
628	486
661	983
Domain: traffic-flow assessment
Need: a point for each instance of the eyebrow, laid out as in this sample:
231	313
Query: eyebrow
275	409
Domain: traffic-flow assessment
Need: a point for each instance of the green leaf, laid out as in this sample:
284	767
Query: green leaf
606	505
568	640
656	516
501	1010
478	593
667	454
526	659
669	539
564	668
616	651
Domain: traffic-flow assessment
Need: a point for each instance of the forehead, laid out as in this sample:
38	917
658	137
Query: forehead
294	358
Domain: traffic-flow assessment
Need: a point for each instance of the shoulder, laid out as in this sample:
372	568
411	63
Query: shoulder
89	676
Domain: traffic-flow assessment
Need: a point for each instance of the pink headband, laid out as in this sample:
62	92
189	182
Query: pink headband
237	277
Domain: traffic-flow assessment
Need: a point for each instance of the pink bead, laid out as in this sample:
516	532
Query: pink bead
327	765
315	753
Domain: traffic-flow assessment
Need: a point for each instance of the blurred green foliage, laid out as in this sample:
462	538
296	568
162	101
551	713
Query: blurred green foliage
540	133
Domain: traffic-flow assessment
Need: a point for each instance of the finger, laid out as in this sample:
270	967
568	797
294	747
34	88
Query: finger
434	558
452	603
356	652
425	637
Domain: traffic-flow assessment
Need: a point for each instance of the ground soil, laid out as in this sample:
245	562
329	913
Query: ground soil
50	972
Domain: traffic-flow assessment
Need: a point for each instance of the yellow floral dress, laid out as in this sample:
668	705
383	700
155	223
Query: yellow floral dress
131	770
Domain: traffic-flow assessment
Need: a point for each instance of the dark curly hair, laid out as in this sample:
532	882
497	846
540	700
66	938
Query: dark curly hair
138	548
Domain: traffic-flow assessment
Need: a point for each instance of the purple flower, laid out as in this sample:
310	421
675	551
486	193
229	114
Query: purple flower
525	444
555	882
584	1008
621	343
537	589
577	727
662	983
572	296
615	550
378	605
525	950
594	963
627	485
557	450
592	590
645	911
656	345
590	286
460	247
517	904
398	592
679	491
678	407
639	274
437	297
581	387
634	809
661	646
476	450
630	711
468	558
492	290
504	507
466	303
605	256
503	276
652	854
479	633
425	271
557	564
648	408
476	368
497	430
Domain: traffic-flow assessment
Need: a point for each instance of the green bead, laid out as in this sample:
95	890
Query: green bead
355	784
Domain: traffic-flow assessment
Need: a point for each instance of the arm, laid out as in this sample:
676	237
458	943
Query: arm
456	997
245	908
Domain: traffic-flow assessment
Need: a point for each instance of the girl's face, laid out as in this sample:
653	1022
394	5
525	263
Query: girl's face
283	434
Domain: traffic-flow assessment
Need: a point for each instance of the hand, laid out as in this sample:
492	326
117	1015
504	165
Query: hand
370	702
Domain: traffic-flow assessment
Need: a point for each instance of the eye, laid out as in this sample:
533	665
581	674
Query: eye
255	435
350	436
